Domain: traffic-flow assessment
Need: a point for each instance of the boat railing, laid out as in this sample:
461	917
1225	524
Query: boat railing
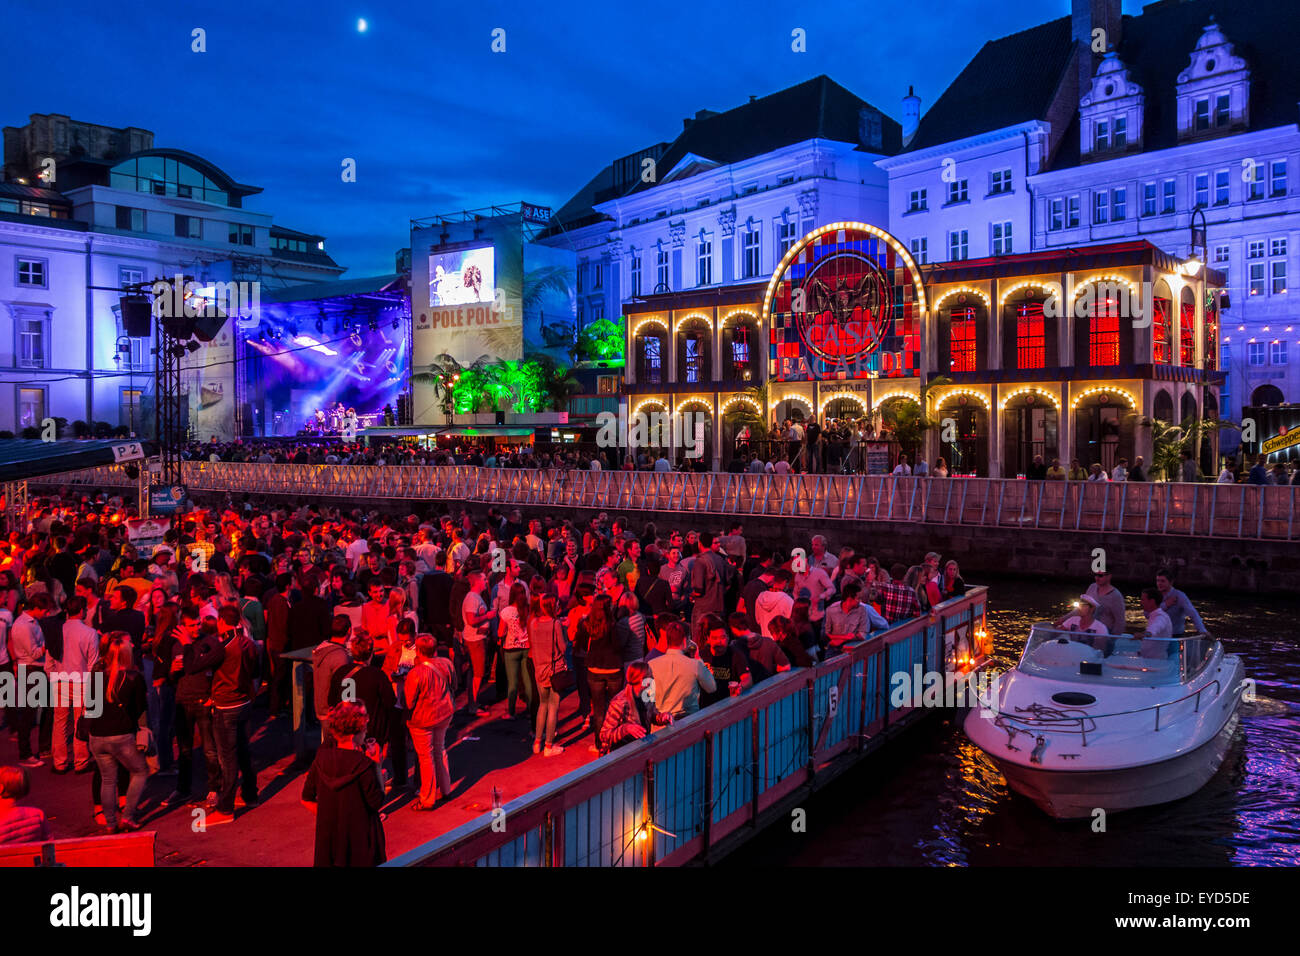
1042	717
1184	659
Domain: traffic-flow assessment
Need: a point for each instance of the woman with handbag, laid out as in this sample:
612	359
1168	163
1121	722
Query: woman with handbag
115	734
547	647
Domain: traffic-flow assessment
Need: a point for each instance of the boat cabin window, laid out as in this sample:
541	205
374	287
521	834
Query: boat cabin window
1113	658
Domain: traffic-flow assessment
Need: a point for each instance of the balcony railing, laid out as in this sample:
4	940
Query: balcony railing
1252	512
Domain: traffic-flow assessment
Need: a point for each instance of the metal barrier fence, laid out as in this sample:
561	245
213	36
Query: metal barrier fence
670	798
1172	508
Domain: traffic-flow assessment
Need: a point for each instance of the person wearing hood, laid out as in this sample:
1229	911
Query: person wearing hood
766	659
774	602
345	791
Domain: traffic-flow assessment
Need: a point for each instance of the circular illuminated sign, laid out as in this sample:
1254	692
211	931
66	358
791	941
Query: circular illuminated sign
847	303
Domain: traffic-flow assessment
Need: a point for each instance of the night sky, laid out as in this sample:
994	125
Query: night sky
435	120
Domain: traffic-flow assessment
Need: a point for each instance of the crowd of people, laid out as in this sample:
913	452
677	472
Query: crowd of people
409	623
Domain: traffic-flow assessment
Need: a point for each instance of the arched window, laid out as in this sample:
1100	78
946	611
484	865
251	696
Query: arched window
650	357
1212	333
1187	330
1031	336
962	337
1103	332
741	350
1162	332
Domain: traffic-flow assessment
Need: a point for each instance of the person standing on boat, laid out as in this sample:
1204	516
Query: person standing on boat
1110	602
1176	604
1158	623
1084	617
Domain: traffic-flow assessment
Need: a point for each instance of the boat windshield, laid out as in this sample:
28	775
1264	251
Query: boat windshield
1113	658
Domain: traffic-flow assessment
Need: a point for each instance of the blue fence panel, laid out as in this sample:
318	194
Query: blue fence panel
846	715
732	782
679	798
871	675
900	659
601	831
784	739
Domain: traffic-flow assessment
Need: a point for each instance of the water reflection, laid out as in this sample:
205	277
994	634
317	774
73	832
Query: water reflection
934	799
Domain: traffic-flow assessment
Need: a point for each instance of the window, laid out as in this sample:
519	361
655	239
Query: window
1255	251
1277	353
190	227
1221	254
127	277
1101	139
1278	176
1168	195
694	356
1221	188
33	331
921	250
749	253
581	278
1254	174
134	354
740	353
240	234
1277	269
597	310
957	191
164	176
597	276
1187	335
1255	353
1056	216
1002	238
1119	134
1072	212
1148	199
1100	207
704	262
31	407
1119	204
1202	117
636	274
1222	109
1162	332
786	236
916	201
958	244
1031	340
652	353
33	273
963	340
130	219
1001	182
1103	334
1277	247
1202	190
128	408
661	270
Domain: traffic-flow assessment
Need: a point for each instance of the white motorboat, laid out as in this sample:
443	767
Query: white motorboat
1110	722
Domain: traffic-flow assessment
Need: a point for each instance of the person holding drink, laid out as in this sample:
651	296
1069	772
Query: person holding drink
725	661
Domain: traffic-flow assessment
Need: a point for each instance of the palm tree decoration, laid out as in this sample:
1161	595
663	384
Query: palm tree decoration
1169	441
743	413
445	374
539	284
554	383
910	420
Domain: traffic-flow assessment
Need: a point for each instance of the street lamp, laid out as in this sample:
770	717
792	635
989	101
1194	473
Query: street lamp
122	353
1192	267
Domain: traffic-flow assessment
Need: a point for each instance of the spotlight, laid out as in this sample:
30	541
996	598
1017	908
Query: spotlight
193	346
374	324
396	322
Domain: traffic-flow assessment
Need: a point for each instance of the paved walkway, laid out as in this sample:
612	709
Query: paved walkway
484	752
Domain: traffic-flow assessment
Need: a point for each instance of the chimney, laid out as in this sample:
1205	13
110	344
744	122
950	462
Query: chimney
1086	17
911	115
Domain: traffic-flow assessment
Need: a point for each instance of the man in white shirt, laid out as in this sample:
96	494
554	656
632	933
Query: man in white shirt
921	470
1120	471
1158	623
902	468
356	548
478	620
820	558
1226	477
27	645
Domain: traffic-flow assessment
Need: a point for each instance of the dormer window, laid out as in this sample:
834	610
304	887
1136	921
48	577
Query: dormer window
1214	91
1111	112
1103	135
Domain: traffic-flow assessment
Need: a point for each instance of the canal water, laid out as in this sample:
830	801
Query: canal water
933	799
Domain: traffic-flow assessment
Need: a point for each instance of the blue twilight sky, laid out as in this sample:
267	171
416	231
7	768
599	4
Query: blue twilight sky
435	120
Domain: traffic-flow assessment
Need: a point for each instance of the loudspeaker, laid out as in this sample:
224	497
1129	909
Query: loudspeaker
501	418
403	409
207	326
137	316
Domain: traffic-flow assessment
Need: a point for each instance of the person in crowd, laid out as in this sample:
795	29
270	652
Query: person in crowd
1176	604
766	659
725	660
198	651
514	644
1056	472
69	677
112	732
604	660
430	692
326	658
19	824
361	681
632	713
1159	624
547	647
951	584
678	679
849	619
232	701
899	600
27	654
477	619
1139	470
344	790
1077	471
940	469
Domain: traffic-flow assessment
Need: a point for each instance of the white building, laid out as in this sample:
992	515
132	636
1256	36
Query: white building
1100	128
86	210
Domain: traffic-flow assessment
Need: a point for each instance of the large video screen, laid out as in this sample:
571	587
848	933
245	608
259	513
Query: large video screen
463	277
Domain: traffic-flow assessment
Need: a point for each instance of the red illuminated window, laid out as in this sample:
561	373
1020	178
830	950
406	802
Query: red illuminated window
1187	324
963	340
1031	341
1103	334
1162	333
